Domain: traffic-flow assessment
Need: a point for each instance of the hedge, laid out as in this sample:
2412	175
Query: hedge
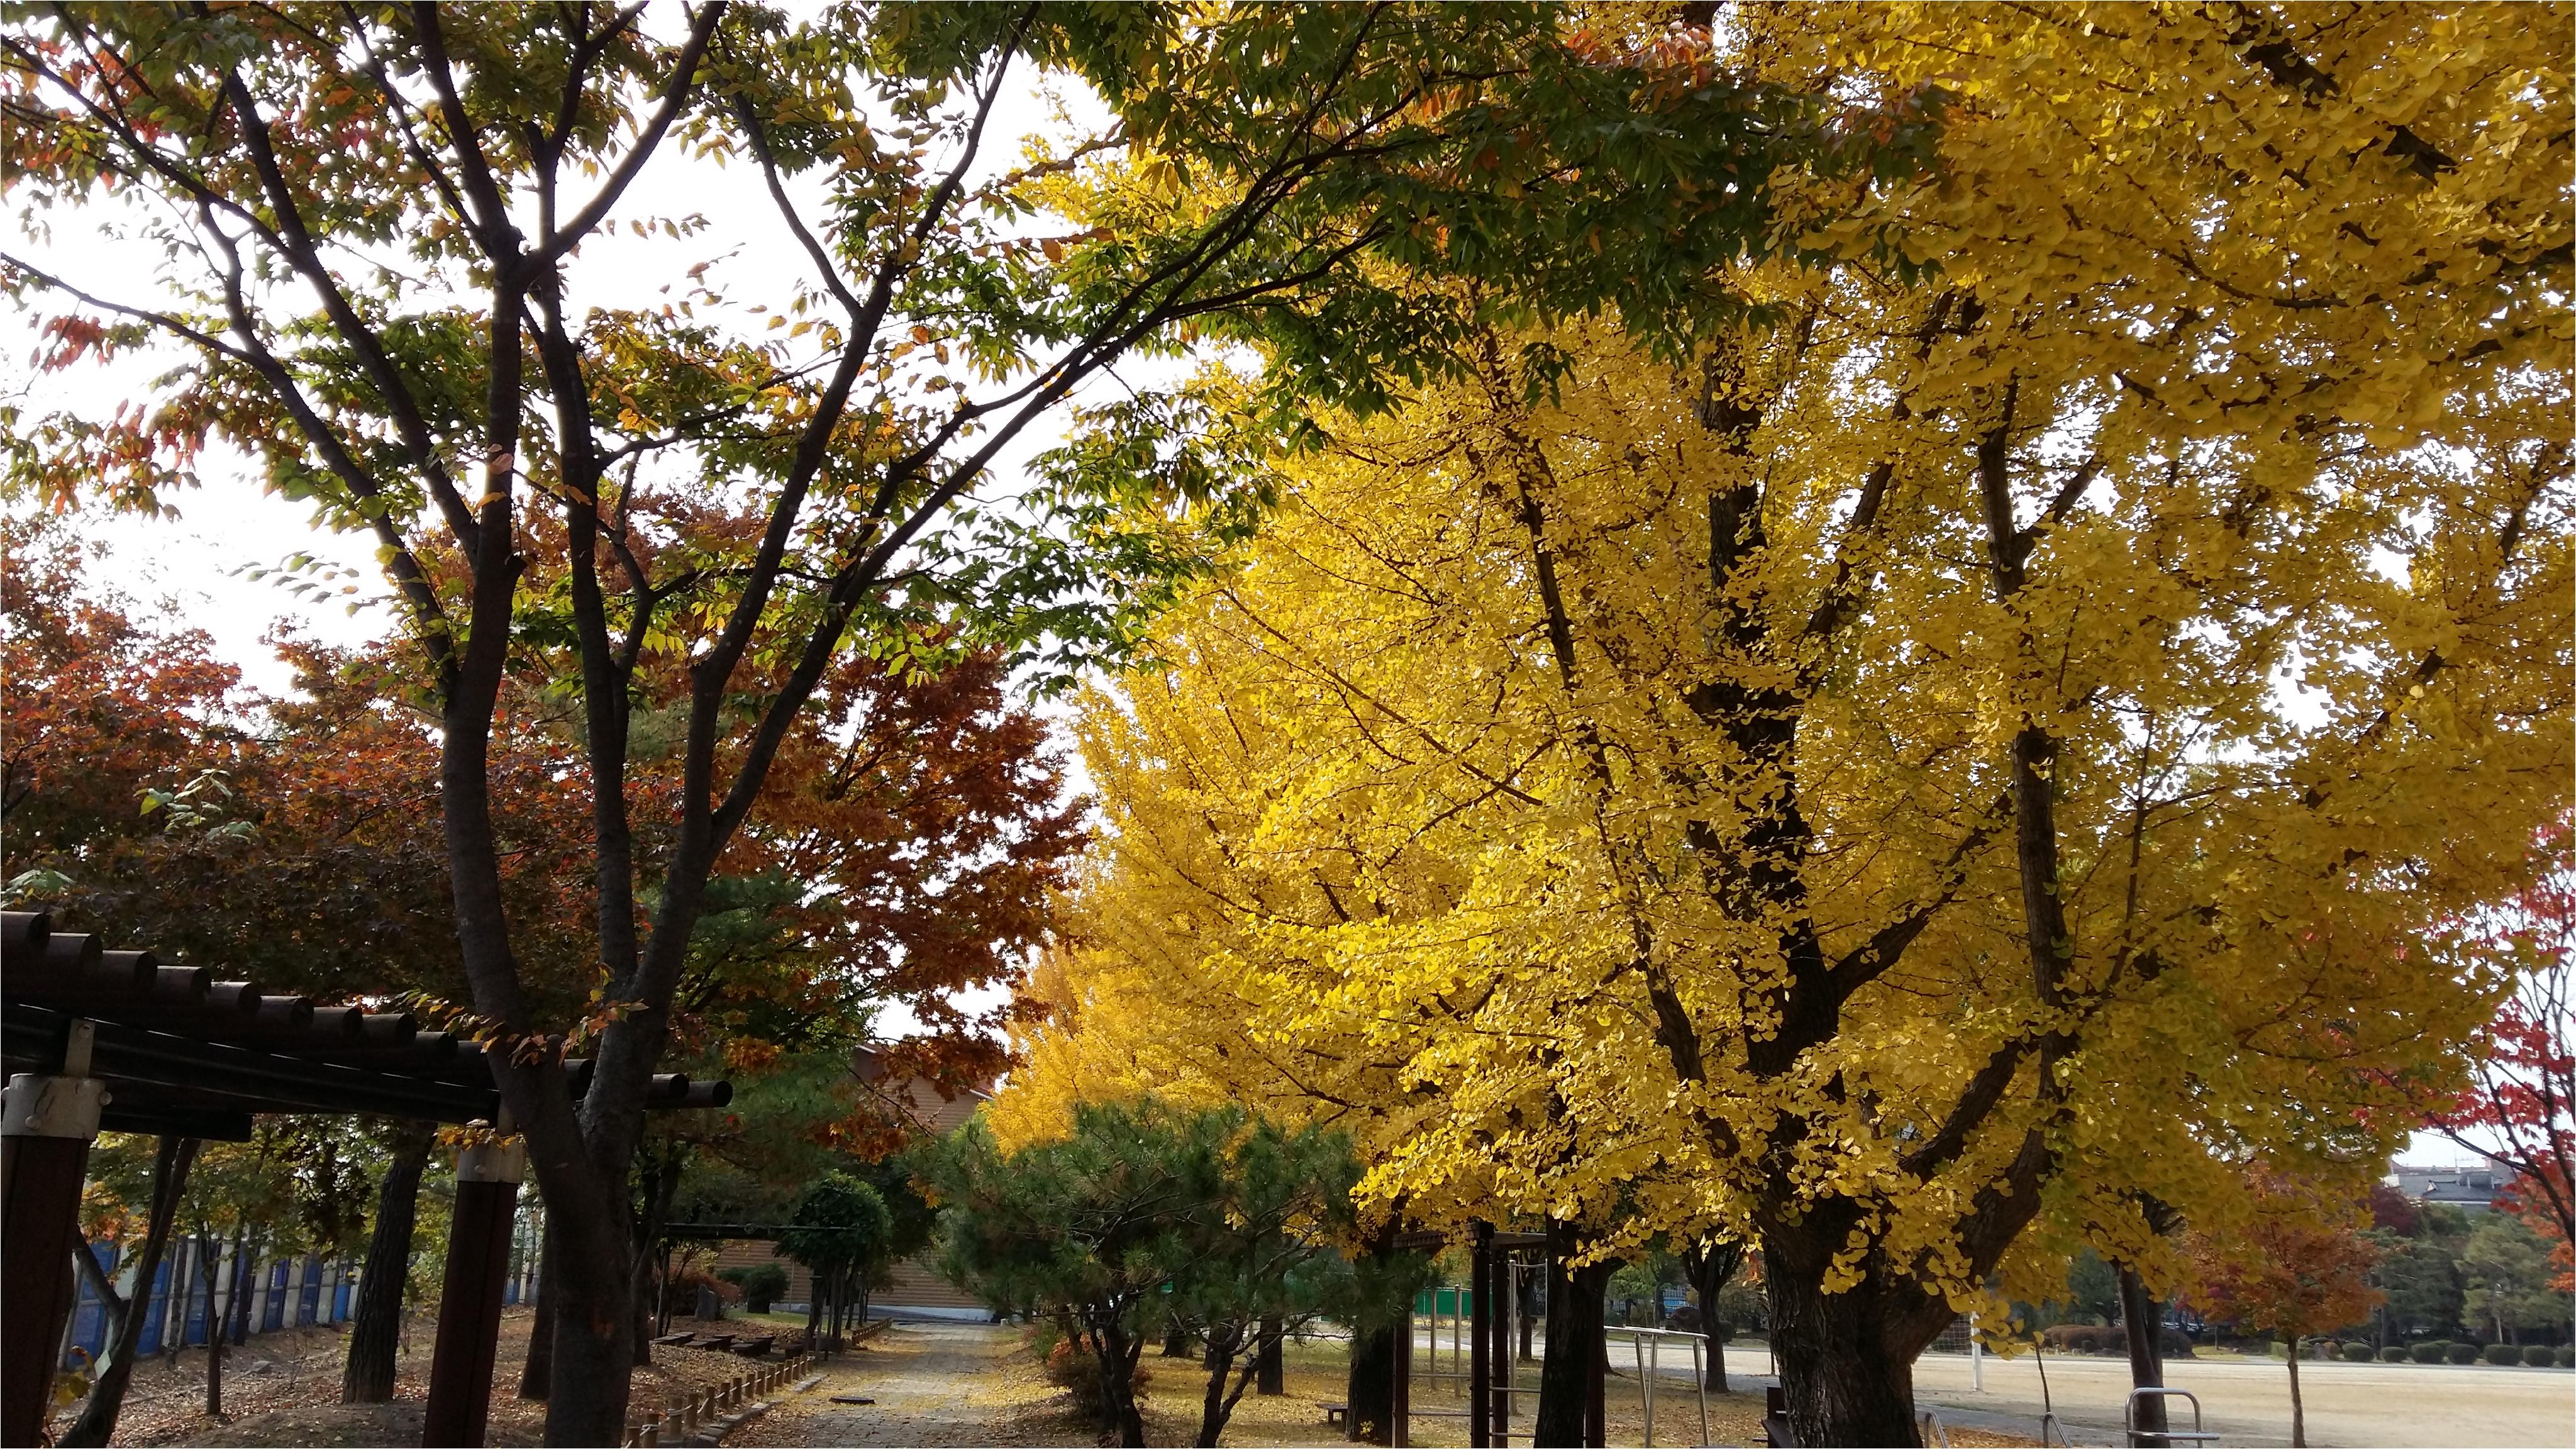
2358	1353
2394	1353
2431	1351
2539	1355
2464	1353
2503	1355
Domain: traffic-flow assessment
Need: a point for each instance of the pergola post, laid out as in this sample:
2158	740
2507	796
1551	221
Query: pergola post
46	1126
488	1175
1480	1339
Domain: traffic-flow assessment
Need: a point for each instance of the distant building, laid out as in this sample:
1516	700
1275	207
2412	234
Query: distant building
915	1289
2471	1189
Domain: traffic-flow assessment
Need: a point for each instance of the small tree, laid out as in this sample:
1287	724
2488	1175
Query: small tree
2506	1266
1150	1216
1261	1261
2298	1267
841	1234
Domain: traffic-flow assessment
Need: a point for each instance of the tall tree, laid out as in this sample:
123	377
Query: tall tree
377	224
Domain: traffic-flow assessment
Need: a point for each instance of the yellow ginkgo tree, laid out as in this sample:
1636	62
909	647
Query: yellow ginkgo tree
1918	779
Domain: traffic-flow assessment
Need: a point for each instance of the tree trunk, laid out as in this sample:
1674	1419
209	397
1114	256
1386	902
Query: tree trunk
1528	1313
537	1374
1370	1390
210	1261
375	1329
1847	1358
1117	1355
97	1421
586	1402
1177	1342
2145	1320
1270	1366
1222	1341
1575	1301
1711	1268
2298	1412
245	1283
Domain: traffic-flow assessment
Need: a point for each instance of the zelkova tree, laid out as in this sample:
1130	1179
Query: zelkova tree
1940	765
378	234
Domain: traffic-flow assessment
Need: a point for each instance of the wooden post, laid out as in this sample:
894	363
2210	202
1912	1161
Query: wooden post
488	1175
1596	1373
46	1126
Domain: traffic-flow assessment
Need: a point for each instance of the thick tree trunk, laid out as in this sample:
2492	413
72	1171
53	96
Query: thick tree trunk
1270	1366
1177	1342
1370	1389
375	1329
537	1374
97	1421
2145	1321
1846	1359
1575	1299
586	1403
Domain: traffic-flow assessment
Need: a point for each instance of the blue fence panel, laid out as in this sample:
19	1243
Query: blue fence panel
340	1300
155	1309
275	1317
312	1304
89	1315
201	1307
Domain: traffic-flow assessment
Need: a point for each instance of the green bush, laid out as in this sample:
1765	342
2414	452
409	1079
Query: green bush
2567	1357
2463	1353
2394	1353
2431	1351
2503	1354
2539	1355
2358	1353
761	1284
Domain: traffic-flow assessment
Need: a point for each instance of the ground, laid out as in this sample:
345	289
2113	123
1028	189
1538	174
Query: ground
945	1383
967	1383
284	1388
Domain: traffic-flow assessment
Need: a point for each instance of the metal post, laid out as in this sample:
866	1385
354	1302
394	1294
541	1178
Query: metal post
1400	1425
1501	1352
46	1126
1480	1372
1976	1358
488	1175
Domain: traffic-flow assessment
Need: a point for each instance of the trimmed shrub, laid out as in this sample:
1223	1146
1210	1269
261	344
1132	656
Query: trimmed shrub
761	1284
2394	1353
2431	1351
2539	1355
2463	1353
2358	1353
2503	1354
2076	1338
2567	1357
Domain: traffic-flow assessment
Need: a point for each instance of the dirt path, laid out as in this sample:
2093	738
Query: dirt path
934	1383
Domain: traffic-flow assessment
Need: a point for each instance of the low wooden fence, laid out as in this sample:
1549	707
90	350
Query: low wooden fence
708	1405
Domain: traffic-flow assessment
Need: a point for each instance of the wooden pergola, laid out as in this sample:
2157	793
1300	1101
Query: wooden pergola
1491	1395
95	1040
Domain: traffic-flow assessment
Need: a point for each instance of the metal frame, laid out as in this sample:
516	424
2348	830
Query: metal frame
2196	1434
1647	1343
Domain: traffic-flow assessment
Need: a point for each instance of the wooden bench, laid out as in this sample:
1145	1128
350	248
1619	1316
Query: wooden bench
674	1340
1337	1415
755	1347
713	1340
